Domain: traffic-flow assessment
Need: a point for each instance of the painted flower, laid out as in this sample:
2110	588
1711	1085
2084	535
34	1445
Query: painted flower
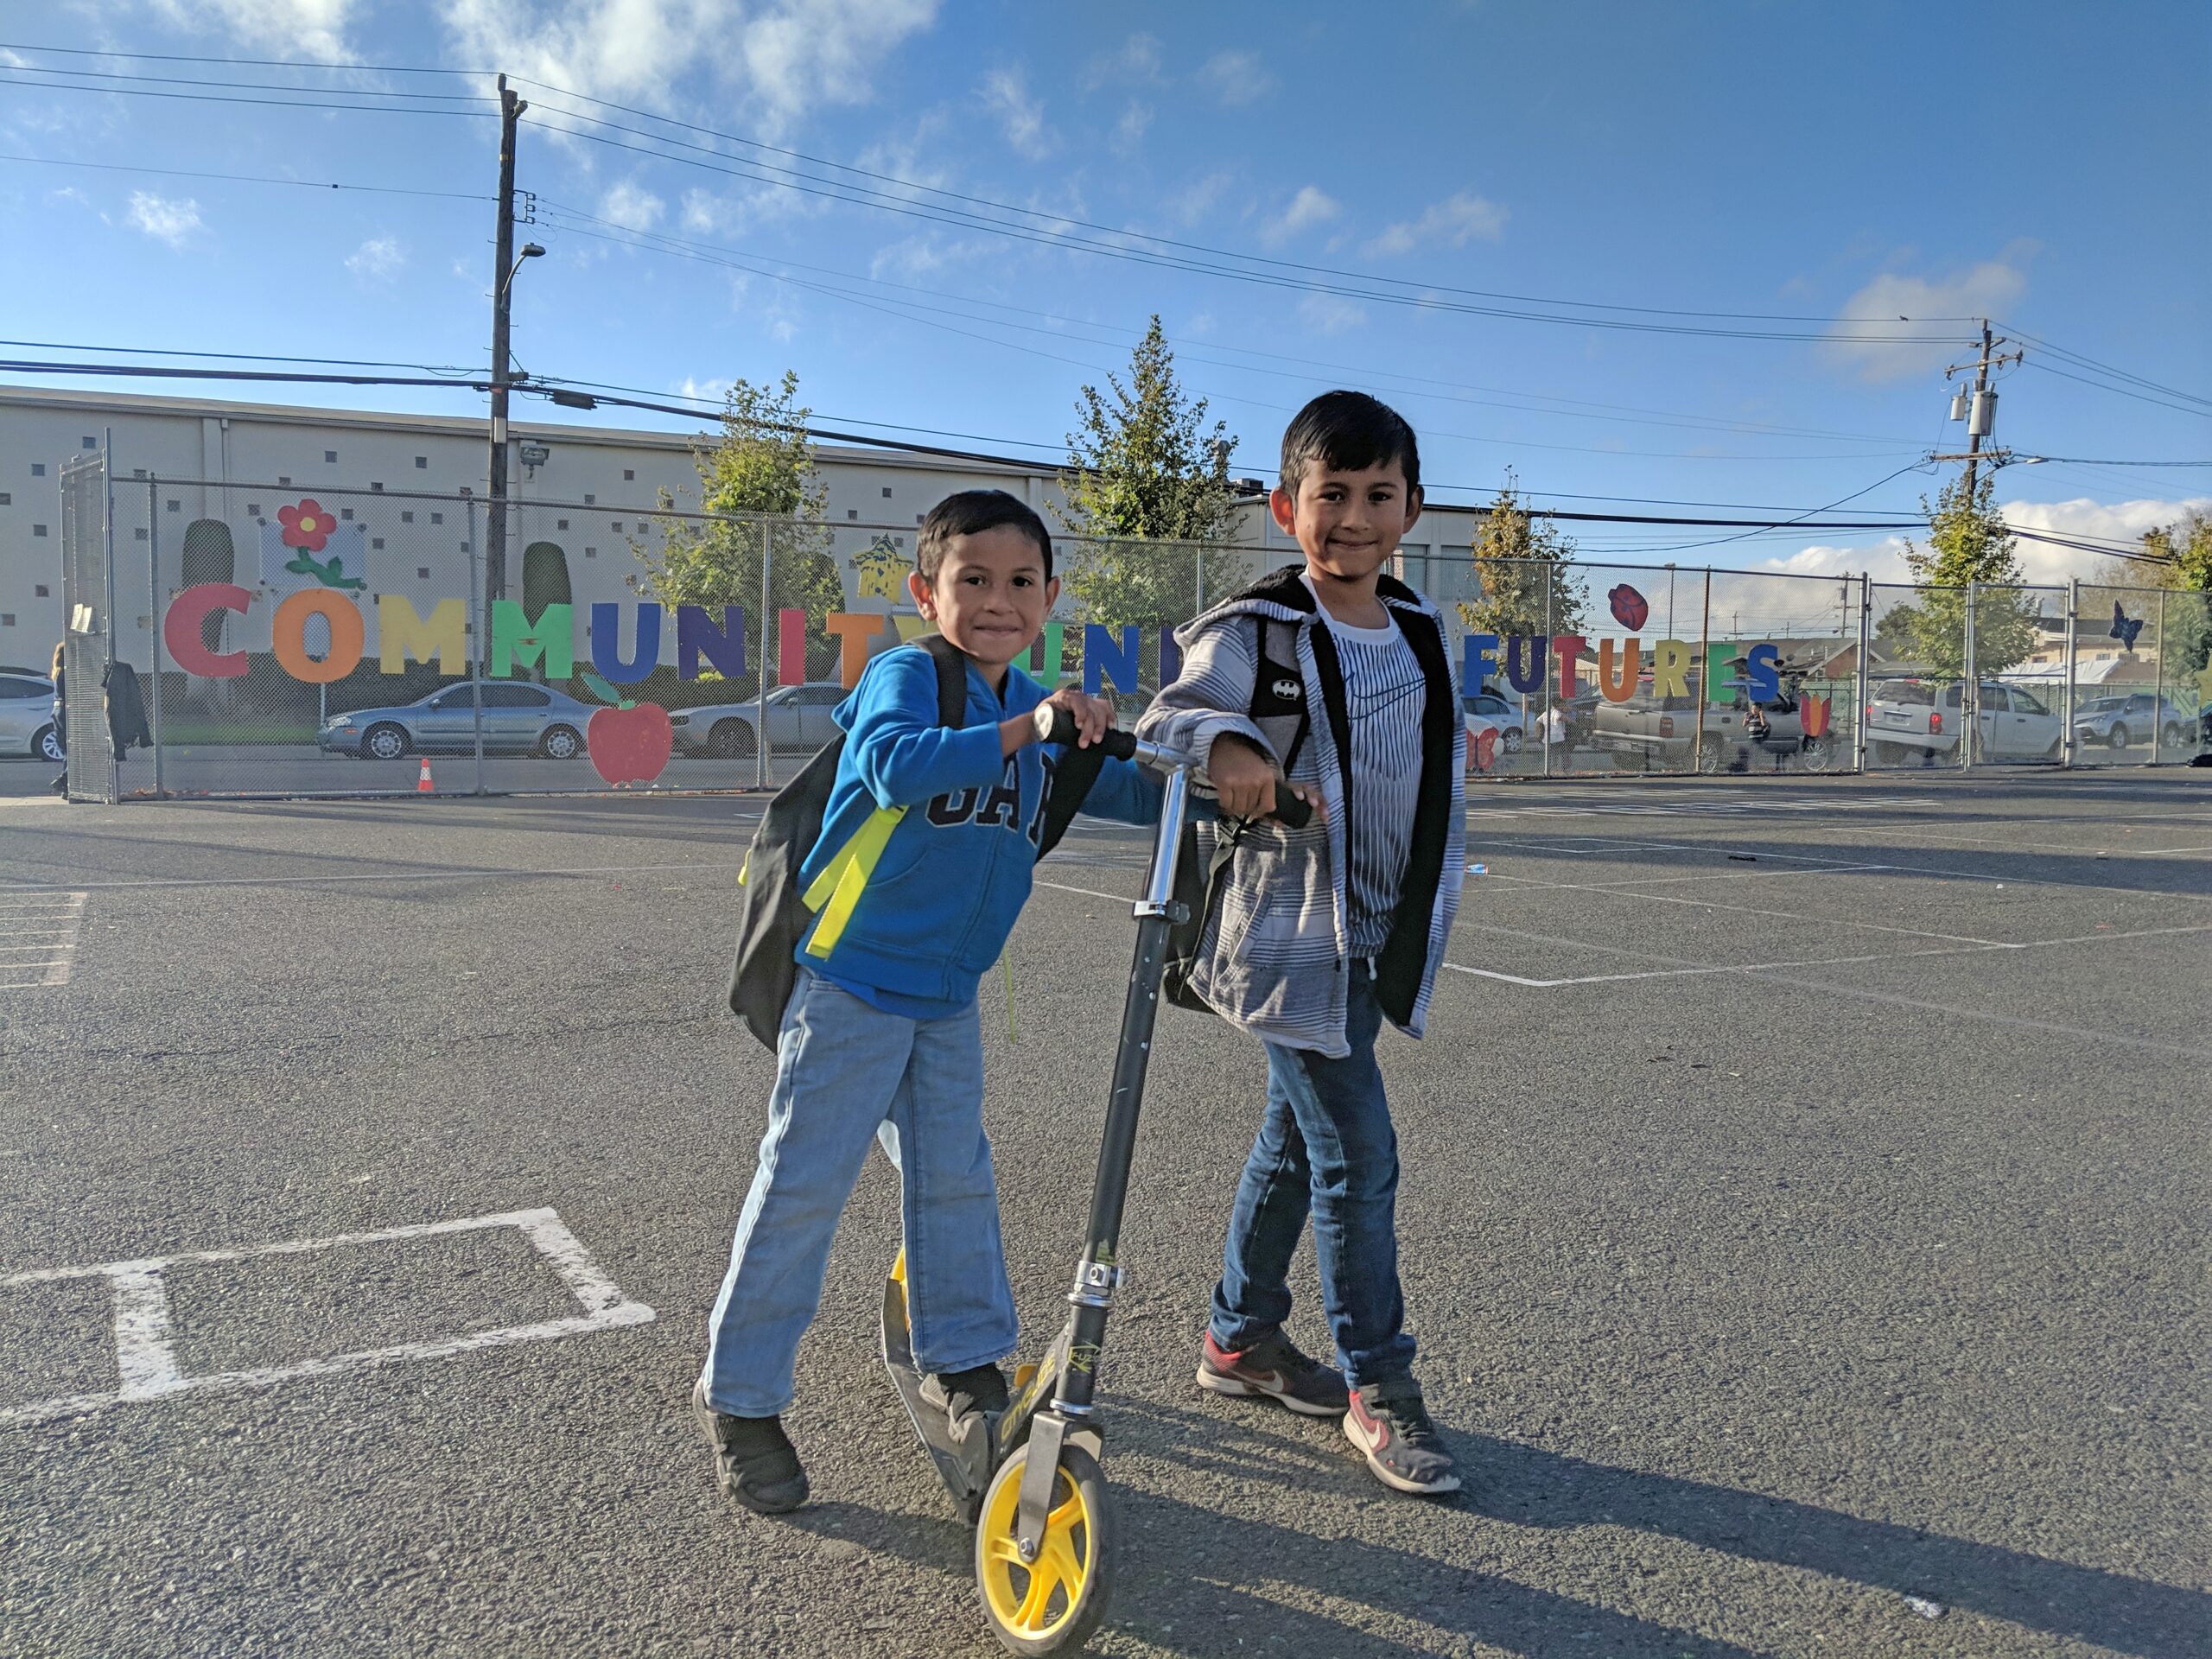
306	526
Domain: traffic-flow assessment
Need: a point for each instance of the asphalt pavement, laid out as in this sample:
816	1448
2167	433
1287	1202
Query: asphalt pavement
1802	1224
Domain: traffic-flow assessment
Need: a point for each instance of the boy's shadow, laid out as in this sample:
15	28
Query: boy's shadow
1181	1568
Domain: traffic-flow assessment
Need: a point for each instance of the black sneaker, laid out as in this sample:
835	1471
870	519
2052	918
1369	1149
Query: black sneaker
1273	1368
1390	1424
754	1458
979	1388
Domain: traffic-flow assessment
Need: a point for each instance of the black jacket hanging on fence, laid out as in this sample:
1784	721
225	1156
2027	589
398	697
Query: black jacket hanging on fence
126	710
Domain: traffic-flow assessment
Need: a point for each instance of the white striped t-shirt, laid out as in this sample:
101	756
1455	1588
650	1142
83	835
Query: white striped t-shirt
1385	696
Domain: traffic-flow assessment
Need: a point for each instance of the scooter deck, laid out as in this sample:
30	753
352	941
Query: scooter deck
965	1463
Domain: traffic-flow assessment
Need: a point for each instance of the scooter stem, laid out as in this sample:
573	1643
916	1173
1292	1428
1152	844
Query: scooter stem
1099	1272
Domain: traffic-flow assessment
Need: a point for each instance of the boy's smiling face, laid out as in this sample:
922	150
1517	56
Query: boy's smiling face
1348	523
991	596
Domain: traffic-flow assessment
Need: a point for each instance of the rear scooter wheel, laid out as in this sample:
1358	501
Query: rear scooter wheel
1053	1604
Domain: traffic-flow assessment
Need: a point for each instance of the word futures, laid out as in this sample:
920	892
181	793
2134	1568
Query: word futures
1528	663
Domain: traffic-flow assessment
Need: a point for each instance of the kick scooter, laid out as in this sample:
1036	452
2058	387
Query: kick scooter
1030	1480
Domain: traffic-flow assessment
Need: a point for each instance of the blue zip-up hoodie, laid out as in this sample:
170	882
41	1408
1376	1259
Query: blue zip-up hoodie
956	872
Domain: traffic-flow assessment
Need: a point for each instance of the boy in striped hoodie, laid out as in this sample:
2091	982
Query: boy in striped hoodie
1335	676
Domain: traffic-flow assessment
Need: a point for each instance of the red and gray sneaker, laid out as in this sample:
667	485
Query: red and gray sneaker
1274	1369
1389	1422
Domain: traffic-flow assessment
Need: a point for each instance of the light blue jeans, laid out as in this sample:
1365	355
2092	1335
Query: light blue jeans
848	1074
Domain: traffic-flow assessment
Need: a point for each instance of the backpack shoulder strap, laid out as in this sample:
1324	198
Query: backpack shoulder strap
1286	720
951	679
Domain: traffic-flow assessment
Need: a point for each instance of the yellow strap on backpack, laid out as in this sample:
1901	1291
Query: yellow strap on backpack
838	888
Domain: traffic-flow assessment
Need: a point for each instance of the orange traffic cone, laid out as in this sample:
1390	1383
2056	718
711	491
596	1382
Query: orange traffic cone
423	783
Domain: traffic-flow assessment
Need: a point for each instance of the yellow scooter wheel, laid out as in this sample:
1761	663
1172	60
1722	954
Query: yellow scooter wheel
1054	1603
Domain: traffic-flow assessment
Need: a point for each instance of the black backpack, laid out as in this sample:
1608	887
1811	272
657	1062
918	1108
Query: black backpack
772	912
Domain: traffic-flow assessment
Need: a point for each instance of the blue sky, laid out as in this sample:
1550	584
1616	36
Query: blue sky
2042	163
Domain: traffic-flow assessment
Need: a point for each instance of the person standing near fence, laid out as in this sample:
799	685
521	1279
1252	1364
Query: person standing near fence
61	786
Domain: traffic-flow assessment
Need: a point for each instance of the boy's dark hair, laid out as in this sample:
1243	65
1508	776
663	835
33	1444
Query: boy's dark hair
966	514
1348	431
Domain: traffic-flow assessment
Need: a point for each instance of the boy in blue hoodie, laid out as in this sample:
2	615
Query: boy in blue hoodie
880	1036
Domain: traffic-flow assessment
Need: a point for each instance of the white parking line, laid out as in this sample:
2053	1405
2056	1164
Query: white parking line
146	1363
38	940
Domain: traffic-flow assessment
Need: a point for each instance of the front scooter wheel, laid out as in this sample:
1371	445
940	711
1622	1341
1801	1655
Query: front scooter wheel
1053	1604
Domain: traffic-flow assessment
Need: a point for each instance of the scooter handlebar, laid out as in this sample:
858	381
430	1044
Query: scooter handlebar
1058	725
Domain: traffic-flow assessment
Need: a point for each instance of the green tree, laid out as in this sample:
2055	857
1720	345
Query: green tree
1522	563
1143	469
2186	547
763	467
1969	541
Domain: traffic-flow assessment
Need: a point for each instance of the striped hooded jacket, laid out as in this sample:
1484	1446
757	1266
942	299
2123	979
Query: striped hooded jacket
1274	958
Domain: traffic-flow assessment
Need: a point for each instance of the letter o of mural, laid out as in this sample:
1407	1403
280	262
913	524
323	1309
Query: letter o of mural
288	636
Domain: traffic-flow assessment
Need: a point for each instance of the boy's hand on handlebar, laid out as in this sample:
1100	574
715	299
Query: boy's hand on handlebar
1093	716
1244	781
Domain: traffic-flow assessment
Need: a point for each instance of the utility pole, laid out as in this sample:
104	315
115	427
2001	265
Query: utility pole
495	516
1978	409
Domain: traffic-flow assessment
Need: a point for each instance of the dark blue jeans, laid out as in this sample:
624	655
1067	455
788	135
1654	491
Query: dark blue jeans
1325	1149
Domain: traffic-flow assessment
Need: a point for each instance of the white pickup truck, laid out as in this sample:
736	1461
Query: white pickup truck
1918	722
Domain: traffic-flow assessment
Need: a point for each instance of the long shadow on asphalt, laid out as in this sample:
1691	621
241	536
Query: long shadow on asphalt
1170	1550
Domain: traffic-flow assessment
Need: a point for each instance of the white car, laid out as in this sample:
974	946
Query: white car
1487	709
27	716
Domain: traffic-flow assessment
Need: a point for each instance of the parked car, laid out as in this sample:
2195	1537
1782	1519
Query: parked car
1502	716
1919	721
27	716
519	718
1648	730
799	718
2119	721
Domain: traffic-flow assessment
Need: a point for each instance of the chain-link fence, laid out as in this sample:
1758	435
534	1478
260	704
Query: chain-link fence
269	640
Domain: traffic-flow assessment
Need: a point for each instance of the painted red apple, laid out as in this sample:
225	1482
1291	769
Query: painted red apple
1631	610
1483	746
630	744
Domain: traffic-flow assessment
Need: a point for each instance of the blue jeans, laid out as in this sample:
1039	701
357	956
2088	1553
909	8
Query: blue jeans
844	1071
1325	1147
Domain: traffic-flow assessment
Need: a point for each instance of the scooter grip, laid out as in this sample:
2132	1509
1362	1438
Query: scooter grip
1290	811
1118	744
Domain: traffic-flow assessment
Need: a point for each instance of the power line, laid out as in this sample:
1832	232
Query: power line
250	178
239	357
254	63
9	79
251	86
2119	392
2106	368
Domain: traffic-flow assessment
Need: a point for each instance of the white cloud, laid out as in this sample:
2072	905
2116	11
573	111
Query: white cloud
1328	314
632	206
1237	77
1456	220
165	217
1129	132
712	392
2084	519
1992	287
292	28
1197	199
916	256
377	258
780	58
1309	207
1136	59
1005	94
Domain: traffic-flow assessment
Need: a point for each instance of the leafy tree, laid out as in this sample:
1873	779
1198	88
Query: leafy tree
1968	540
1143	469
1521	565
763	466
2187	546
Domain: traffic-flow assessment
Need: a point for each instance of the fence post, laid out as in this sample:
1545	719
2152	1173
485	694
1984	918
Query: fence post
1548	705
1862	684
153	611
1199	598
2158	686
1704	671
2073	645
114	635
479	600
761	675
1970	693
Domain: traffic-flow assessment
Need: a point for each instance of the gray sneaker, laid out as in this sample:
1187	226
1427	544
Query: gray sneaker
754	1460
1390	1423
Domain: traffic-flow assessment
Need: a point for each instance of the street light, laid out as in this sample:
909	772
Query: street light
530	250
